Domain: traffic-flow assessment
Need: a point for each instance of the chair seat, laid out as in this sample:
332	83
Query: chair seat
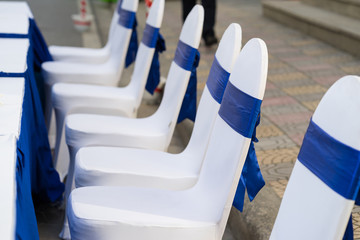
72	96
110	212
66	72
110	166
89	129
79	54
81	98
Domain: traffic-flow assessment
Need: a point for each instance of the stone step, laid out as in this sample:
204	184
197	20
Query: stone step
350	8
338	30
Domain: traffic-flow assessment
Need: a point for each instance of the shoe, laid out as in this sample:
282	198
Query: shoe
210	39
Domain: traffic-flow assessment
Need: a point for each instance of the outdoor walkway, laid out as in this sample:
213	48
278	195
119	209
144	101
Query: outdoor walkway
301	69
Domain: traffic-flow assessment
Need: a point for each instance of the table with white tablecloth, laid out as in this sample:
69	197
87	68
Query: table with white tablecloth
31	176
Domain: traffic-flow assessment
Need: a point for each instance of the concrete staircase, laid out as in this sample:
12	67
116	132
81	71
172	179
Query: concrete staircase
350	8
336	22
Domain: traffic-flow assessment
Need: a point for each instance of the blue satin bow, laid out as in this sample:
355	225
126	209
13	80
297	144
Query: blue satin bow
242	113
251	178
217	81
128	19
154	73
188	58
133	46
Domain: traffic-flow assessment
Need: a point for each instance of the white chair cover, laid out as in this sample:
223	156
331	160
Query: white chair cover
80	98
153	132
200	212
150	168
310	209
107	73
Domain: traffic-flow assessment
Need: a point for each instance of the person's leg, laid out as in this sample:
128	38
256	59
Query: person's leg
187	5
209	22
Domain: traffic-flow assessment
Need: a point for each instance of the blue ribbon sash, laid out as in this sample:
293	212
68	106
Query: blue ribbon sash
242	113
152	39
128	20
335	163
188	59
150	36
133	46
240	110
154	73
217	81
185	56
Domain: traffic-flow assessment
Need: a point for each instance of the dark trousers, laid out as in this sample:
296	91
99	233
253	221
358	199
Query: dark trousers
210	11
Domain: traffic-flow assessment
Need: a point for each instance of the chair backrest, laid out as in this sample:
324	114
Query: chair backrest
7	186
225	56
121	34
310	208
228	148
113	23
146	50
178	77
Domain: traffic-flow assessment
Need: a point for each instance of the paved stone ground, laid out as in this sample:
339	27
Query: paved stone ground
301	69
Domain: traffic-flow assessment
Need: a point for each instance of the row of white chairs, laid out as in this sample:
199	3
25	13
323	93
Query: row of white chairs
153	132
150	194
71	95
188	174
153	195
84	66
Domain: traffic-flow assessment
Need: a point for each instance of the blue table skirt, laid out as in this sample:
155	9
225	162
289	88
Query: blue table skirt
36	179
